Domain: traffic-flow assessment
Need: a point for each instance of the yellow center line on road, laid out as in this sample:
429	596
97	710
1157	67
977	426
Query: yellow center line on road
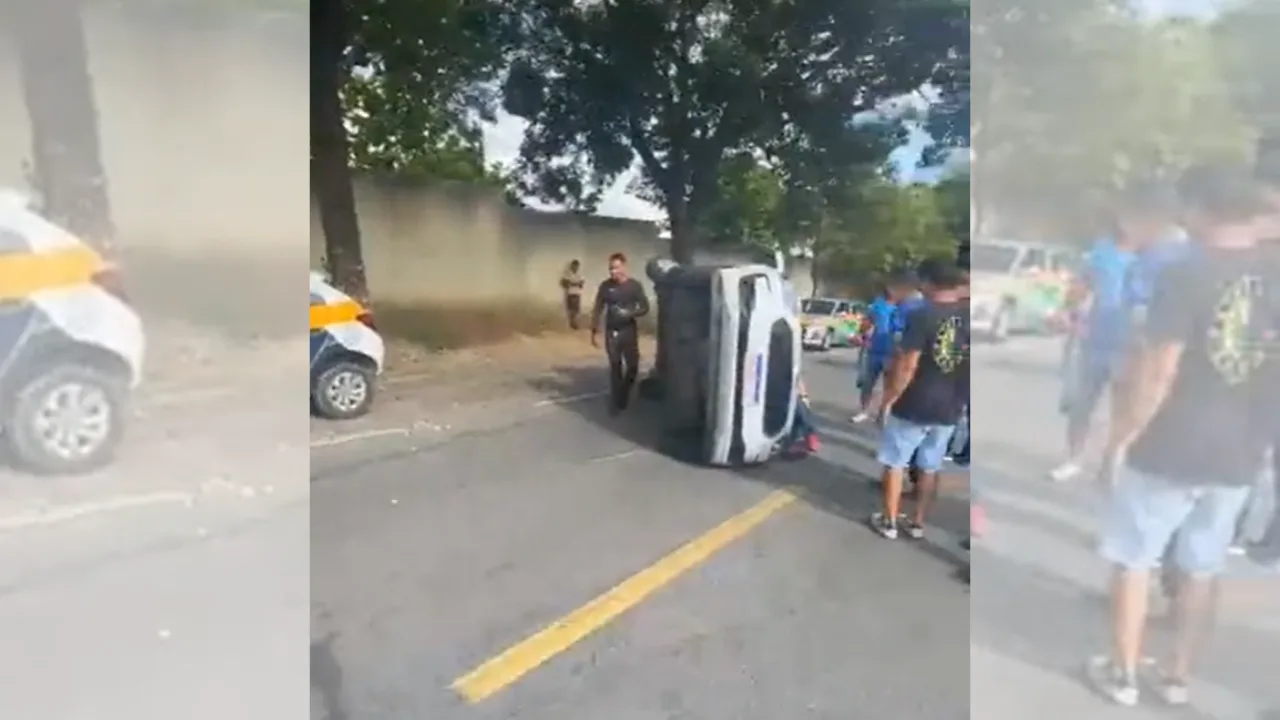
517	661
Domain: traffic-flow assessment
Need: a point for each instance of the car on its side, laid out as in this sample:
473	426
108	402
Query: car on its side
347	353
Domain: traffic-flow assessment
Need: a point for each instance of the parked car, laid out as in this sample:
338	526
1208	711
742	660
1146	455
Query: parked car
1016	287
71	346
347	353
831	322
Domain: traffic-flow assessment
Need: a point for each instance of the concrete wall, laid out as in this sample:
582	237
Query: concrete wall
444	243
204	128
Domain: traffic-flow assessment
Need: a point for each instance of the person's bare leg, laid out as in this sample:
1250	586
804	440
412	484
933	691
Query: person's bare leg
891	492
1193	616
926	493
1128	617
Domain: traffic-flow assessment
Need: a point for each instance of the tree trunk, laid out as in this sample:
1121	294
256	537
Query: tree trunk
330	171
67	170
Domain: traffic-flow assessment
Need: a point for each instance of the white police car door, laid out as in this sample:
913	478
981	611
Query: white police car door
754	365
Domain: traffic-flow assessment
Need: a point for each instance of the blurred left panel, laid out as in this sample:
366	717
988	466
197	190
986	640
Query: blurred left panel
154	222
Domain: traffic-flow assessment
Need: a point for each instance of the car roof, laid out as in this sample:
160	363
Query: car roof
1030	244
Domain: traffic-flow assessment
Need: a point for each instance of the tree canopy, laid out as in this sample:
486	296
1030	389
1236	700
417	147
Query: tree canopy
1073	101
679	89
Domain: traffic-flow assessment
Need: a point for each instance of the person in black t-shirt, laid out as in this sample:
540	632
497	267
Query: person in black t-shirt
1194	425
925	391
620	301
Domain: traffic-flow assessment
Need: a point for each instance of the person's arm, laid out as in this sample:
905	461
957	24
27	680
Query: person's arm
642	300
1151	365
906	358
597	310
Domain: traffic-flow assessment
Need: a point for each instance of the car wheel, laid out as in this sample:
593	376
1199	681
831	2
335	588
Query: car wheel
67	420
343	390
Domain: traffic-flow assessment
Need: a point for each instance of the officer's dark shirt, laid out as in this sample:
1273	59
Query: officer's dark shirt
620	303
940	389
1215	424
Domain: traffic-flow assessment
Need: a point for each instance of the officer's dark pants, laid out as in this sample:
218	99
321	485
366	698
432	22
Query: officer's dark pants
623	348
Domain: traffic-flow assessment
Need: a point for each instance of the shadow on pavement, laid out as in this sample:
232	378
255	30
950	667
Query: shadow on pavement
839	489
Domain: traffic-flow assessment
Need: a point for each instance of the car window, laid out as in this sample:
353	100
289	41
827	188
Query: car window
1035	260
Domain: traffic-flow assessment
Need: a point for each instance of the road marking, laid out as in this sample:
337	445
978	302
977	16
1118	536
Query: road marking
353	437
615	456
52	517
514	663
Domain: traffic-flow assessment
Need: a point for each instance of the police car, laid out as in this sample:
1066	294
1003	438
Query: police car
346	353
71	346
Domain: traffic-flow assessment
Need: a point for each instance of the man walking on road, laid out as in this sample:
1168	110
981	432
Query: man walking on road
620	301
925	392
1197	421
884	318
1143	218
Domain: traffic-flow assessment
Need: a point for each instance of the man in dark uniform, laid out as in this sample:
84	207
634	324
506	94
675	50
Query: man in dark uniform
620	301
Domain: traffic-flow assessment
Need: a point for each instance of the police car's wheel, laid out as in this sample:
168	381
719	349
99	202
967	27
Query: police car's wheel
344	390
67	420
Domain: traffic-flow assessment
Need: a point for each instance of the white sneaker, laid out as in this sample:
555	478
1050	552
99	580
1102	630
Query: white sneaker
1069	470
1237	551
860	418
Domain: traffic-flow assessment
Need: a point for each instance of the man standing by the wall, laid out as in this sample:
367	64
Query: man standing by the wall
620	301
571	283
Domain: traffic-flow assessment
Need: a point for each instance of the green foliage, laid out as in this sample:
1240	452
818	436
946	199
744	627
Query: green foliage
415	91
688	86
1074	101
1246	36
856	229
879	227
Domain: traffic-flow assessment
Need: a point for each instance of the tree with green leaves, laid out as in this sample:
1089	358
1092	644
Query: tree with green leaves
678	89
397	86
1074	101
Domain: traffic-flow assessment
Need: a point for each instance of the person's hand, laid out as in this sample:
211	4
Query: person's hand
880	413
595	339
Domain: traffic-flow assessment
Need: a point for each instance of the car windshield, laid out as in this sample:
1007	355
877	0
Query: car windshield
817	307
992	258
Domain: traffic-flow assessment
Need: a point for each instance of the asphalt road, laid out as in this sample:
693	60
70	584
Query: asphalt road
411	560
1038	608
428	564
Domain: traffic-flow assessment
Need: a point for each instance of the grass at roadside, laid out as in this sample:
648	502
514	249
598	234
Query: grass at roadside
436	327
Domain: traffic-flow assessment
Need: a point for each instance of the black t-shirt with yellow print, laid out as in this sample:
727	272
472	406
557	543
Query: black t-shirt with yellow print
1213	428
940	389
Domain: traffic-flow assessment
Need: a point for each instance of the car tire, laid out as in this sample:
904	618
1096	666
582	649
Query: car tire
99	393
331	400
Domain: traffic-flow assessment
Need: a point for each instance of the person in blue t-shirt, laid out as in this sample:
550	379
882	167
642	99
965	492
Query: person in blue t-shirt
884	324
1144	218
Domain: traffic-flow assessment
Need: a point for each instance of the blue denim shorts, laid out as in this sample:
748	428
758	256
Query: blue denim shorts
871	369
1147	512
901	439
